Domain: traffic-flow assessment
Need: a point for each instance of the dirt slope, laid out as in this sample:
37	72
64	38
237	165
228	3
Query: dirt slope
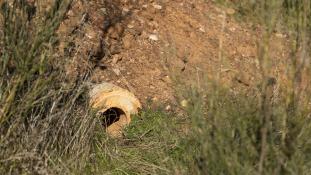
140	45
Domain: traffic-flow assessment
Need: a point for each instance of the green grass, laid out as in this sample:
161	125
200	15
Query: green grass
148	147
220	135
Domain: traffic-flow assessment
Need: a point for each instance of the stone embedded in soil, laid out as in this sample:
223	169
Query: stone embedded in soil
167	79
230	11
125	11
232	29
116	71
153	37
91	33
116	59
280	35
168	107
202	29
130	26
156	6
184	103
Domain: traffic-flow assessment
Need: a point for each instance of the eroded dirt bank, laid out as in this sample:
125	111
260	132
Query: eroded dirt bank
141	45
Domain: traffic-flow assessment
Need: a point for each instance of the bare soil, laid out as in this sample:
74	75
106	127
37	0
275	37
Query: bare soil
144	45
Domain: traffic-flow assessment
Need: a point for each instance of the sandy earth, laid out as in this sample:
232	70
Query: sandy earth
144	45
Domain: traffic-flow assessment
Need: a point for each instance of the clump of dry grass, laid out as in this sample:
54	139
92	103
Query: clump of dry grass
45	124
234	133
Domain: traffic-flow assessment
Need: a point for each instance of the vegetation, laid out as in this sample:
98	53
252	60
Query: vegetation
46	127
38	127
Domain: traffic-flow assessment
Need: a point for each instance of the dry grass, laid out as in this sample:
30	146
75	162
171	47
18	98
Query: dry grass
43	120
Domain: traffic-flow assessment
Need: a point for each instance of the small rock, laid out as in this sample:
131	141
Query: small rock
130	26
232	29
116	59
103	10
116	71
184	103
230	11
125	10
280	35
202	29
167	79
153	37
90	33
156	6
70	13
168	107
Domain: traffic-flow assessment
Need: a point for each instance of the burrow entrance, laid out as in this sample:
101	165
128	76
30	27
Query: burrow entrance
113	120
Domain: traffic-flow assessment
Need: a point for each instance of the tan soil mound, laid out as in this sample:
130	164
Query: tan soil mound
141	45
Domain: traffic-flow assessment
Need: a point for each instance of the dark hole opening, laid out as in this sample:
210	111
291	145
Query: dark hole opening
111	116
